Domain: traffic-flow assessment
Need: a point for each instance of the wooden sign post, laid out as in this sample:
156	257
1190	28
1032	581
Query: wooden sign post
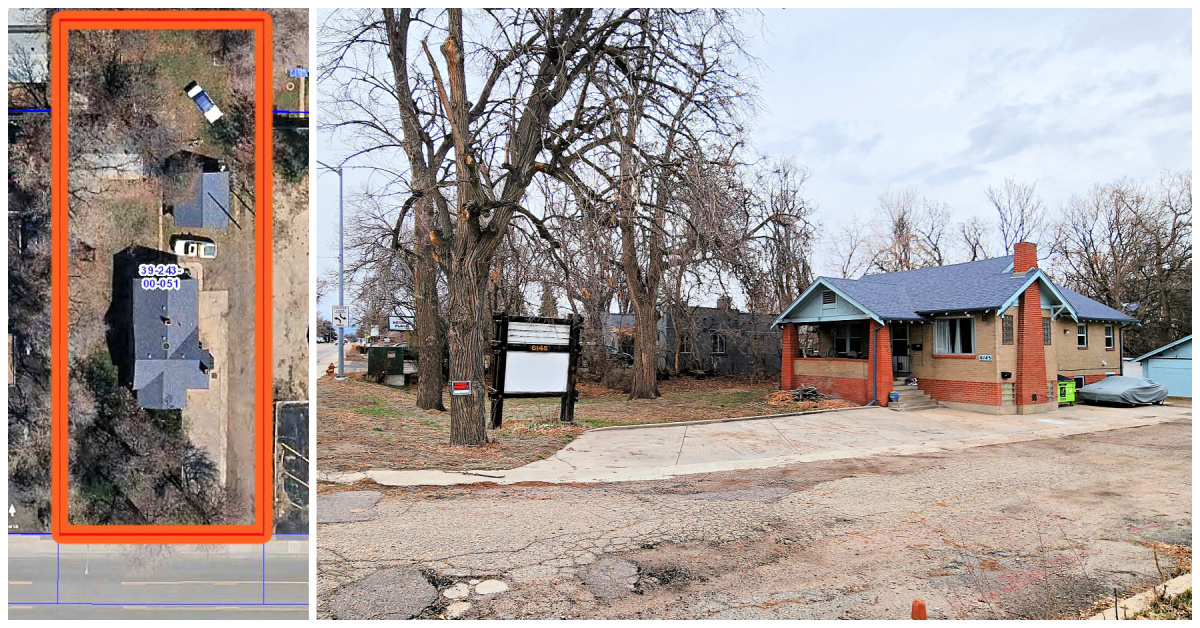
535	356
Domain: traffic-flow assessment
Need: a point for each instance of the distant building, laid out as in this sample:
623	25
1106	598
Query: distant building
719	339
196	191
1170	365
168	356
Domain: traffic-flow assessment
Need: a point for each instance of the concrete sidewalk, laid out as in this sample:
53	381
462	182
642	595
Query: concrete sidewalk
655	452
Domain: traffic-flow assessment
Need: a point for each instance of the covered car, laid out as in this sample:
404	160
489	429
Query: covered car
1121	389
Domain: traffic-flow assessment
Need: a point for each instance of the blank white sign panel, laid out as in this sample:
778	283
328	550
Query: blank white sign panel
527	372
538	333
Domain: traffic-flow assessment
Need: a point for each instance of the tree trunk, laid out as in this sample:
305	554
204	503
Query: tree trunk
645	345
467	328
430	342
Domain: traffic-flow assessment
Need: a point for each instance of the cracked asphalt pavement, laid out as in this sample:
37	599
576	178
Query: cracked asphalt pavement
1030	529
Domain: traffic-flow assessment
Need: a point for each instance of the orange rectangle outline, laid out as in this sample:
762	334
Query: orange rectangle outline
62	22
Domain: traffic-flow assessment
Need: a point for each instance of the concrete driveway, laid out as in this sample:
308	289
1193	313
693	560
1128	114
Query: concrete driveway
653	452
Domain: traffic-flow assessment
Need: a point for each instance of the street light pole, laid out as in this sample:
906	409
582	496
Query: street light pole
341	348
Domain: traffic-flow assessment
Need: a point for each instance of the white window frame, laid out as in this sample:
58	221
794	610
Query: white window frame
716	335
941	336
1081	331
1110	336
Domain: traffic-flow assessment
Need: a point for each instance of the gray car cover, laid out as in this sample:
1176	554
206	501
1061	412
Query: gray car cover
1120	389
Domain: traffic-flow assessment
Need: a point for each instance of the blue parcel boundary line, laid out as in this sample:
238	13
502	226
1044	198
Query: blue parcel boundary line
48	111
58	585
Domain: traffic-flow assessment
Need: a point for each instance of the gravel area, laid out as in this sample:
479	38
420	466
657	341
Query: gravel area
1031	529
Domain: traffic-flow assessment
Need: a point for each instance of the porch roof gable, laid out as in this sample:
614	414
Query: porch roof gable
792	313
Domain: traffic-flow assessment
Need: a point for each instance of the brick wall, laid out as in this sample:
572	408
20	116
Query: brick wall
848	388
982	393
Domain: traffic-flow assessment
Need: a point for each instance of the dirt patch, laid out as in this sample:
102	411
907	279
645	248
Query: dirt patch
362	425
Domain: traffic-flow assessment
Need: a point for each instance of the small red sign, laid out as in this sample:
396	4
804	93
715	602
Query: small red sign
460	388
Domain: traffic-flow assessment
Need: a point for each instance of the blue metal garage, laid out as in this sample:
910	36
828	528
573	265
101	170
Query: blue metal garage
1171	366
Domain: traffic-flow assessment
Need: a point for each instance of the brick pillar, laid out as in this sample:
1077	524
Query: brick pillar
791	340
882	360
1030	378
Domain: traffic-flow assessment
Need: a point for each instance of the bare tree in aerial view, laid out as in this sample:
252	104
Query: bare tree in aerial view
1022	213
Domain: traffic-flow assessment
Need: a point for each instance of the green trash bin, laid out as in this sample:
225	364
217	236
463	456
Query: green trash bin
1066	393
385	361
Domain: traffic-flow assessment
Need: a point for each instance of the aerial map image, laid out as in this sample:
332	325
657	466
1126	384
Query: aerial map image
158	380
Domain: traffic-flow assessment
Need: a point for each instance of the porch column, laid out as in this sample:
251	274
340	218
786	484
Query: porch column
791	340
1030	381
881	360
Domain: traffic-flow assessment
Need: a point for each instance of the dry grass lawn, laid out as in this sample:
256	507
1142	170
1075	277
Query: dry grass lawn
363	425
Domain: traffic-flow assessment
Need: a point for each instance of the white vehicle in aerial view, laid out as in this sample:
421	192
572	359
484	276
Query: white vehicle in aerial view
203	102
193	246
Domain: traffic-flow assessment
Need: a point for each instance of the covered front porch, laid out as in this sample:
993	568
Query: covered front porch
832	343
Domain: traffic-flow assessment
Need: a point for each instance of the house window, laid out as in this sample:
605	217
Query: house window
1045	330
1079	382
954	335
1081	336
1110	337
848	341
718	343
1007	324
685	344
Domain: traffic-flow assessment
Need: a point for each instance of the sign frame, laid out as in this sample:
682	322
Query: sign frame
398	323
500	348
344	311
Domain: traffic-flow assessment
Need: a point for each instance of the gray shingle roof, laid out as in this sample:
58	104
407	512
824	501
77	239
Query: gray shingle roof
168	358
208	209
971	286
1090	309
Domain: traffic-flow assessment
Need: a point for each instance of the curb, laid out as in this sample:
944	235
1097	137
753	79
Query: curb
756	417
1145	599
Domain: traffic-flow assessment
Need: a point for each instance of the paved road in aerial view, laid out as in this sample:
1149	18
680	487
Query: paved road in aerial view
46	580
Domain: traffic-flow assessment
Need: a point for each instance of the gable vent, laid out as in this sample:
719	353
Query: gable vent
828	298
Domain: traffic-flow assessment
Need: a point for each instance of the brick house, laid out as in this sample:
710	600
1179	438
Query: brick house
989	336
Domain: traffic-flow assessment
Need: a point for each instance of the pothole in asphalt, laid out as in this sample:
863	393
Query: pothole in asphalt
456	596
663	576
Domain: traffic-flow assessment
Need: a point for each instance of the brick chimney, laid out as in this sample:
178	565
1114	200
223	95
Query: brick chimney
1024	257
1031	385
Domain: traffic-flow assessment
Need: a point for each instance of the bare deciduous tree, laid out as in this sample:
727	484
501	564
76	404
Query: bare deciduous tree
1022	213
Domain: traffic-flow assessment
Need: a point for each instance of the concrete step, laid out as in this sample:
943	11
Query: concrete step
905	406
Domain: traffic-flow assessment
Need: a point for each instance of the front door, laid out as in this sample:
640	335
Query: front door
901	362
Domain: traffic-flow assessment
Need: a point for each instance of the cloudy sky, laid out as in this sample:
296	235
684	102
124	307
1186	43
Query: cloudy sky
951	101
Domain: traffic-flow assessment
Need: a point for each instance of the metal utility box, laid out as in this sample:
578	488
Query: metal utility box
1066	392
385	361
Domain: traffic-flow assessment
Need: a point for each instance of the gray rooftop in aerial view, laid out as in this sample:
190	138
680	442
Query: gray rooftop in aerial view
209	207
168	358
